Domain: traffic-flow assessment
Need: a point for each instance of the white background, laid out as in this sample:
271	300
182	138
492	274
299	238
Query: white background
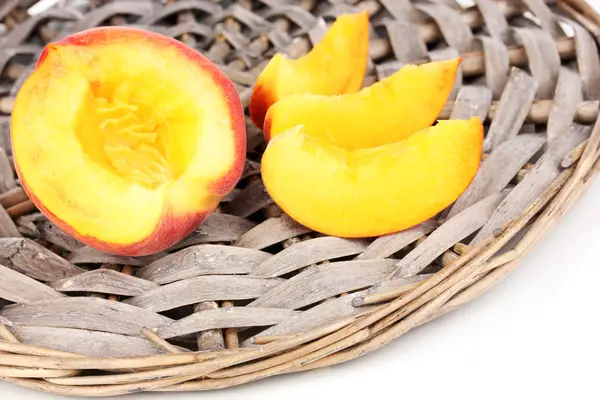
535	335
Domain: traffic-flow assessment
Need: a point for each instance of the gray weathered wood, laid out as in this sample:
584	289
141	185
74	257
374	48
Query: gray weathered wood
497	64
407	43
8	229
104	281
515	102
472	101
89	313
270	232
251	168
531	187
7	177
217	228
5	141
495	22
31	259
87	343
385	246
402	9
587	60
455	31
251	199
499	169
203	259
48	231
203	288
397	284
544	61
308	252
323	281
231	317
20	288
209	339
547	18
446	236
566	100
328	312
86	254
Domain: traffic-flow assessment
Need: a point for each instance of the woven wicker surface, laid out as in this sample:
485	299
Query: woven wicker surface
252	293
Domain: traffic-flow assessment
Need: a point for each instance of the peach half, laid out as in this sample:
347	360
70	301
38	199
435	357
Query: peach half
375	191
385	112
127	139
335	65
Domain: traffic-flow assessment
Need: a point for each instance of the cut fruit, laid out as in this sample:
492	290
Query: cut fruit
335	65
127	139
386	112
371	192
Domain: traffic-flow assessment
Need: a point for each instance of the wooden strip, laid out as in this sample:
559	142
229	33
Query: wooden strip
497	64
324	314
308	252
48	231
387	245
7	177
586	112
495	21
204	259
472	101
270	232
88	343
232	317
498	169
12	197
455	31
453	231
390	289
104	281
8	229
35	261
402	9
251	199
513	108
566	100
588	60
5	140
21	209
20	288
323	281
546	170
88	313
547	18
36	372
89	255
406	40
208	340
203	288
544	61
163	344
217	227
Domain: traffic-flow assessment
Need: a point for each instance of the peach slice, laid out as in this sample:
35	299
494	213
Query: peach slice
127	139
375	191
385	112
335	65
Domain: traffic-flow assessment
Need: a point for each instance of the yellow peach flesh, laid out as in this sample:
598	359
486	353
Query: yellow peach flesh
114	139
335	65
386	112
376	191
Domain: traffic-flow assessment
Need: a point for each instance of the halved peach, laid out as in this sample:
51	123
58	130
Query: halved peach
127	139
376	191
335	65
385	112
